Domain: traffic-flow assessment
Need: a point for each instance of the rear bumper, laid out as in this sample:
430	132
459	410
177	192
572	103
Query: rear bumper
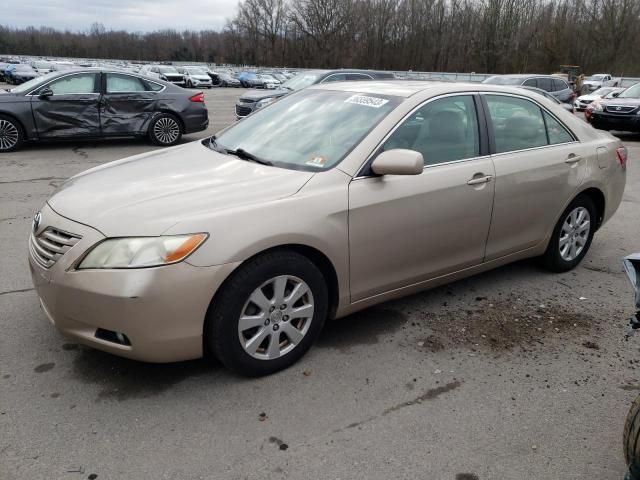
196	120
161	311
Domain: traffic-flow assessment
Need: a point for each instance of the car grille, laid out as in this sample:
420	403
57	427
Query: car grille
620	108
243	111
50	245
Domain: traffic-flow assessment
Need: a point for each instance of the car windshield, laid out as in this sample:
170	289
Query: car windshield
42	65
63	66
500	80
302	80
631	92
603	91
34	83
312	130
24	67
167	70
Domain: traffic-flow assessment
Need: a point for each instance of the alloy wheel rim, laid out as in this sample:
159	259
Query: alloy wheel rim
9	135
166	130
276	317
574	233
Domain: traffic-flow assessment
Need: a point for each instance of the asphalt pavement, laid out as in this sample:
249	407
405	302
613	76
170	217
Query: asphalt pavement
512	374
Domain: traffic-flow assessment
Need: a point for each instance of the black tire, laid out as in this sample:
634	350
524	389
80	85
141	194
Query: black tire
552	258
11	134
162	130
221	327
631	440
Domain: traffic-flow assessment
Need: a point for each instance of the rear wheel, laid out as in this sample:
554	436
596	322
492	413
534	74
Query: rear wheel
11	134
165	130
572	235
631	440
268	314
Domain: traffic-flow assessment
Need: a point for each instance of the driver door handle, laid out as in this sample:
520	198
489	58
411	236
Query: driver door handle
479	180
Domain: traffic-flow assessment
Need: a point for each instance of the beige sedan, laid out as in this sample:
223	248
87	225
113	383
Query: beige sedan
328	201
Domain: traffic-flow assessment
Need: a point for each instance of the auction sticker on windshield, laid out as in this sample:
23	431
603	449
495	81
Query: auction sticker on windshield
317	161
366	101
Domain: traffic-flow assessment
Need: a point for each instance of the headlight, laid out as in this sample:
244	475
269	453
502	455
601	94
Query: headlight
139	252
597	107
264	102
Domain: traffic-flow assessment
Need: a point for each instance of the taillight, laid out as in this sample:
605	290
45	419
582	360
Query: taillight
198	98
621	153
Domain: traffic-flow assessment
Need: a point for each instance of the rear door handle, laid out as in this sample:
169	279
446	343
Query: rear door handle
573	158
479	180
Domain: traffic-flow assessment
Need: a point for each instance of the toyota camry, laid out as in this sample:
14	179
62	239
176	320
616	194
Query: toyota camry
328	201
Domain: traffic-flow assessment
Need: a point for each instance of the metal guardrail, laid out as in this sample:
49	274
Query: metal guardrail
446	76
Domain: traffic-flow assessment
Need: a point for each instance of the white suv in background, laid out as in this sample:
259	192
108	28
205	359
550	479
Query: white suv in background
196	77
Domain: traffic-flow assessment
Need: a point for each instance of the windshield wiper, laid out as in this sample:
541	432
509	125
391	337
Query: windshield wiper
239	152
244	155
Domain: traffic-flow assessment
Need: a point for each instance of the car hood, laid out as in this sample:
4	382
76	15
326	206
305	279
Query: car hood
256	95
149	193
588	98
201	77
592	82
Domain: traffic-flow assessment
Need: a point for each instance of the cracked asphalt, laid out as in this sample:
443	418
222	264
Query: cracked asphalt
512	374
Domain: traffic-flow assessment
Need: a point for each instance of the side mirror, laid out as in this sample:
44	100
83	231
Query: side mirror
616	94
398	162
45	92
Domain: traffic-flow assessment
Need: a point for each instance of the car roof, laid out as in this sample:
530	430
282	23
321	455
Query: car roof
526	75
408	88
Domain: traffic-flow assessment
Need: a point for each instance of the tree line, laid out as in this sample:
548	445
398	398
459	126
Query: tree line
484	36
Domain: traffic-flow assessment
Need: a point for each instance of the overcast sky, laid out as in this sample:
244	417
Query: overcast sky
133	15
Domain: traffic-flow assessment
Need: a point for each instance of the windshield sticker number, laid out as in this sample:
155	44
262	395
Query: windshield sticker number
317	161
367	101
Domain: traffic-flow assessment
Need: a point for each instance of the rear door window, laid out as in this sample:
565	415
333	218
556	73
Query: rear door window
530	82
556	131
559	85
517	123
545	84
118	83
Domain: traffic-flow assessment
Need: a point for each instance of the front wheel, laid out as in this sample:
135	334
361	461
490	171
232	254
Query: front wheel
165	130
268	313
631	440
571	236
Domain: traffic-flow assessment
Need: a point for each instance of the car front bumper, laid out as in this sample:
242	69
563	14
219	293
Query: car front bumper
201	83
630	122
160	310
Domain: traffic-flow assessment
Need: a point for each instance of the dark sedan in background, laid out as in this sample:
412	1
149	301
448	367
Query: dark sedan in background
621	113
98	103
256	99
